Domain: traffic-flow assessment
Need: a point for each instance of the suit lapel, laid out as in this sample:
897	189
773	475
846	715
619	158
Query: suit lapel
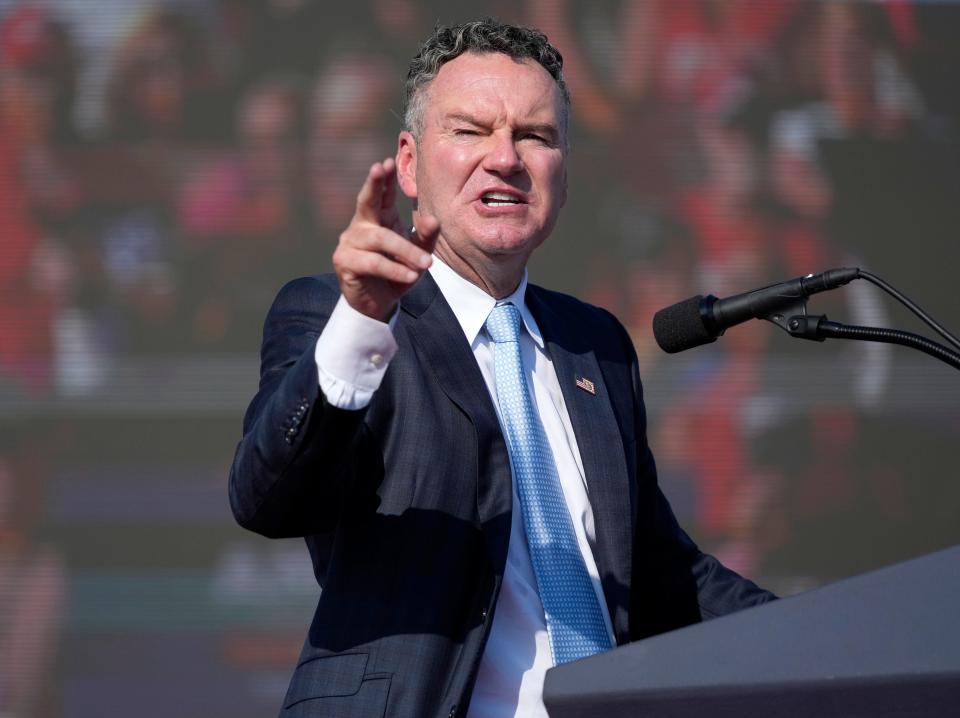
443	350
601	451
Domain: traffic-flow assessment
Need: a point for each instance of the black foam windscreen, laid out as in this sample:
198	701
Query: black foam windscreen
680	326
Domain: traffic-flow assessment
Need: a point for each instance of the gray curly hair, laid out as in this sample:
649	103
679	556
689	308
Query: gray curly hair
481	36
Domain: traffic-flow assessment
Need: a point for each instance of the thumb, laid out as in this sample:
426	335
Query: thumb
427	230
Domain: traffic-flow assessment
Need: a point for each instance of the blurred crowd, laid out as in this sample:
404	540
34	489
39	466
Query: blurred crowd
166	166
164	176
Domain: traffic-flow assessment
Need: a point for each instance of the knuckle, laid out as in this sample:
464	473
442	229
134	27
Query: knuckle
370	262
354	235
340	263
346	236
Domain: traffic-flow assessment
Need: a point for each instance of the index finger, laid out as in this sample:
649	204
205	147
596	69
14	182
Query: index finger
388	200
377	191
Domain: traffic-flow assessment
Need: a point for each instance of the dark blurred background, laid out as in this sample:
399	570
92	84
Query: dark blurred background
166	166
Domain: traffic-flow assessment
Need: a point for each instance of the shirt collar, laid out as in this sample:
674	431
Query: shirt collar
471	305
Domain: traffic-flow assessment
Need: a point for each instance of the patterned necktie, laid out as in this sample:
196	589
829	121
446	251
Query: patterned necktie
574	622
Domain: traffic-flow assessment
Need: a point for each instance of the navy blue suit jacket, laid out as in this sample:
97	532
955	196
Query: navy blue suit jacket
405	506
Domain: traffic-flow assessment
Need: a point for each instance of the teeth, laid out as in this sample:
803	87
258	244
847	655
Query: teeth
499	198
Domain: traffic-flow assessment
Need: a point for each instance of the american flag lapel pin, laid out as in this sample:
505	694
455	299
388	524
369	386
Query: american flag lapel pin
587	385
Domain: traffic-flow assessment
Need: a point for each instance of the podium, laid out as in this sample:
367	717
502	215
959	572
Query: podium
885	644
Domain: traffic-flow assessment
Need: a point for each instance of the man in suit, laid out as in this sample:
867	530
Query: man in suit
386	427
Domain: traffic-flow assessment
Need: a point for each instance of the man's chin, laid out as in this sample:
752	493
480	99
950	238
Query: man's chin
509	241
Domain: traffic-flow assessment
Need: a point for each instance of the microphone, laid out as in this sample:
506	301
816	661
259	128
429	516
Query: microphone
700	320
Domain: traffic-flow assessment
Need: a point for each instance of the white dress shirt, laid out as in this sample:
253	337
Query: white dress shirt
352	355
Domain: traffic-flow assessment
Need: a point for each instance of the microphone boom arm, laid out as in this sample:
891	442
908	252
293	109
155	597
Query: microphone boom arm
818	328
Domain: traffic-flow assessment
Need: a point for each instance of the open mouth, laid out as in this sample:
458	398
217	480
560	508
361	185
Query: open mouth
499	199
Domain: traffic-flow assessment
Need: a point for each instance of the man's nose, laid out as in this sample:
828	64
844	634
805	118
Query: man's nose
502	157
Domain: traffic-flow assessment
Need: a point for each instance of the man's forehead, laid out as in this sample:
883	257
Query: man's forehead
480	82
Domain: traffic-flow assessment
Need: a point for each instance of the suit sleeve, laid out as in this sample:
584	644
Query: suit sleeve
287	473
675	583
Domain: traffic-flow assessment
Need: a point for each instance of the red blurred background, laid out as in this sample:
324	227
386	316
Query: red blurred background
166	166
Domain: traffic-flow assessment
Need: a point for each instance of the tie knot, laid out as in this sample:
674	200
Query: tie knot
503	323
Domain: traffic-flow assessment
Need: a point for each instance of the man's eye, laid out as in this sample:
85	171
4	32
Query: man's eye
465	132
535	137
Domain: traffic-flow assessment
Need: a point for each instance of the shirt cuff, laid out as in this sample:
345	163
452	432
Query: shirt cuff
352	355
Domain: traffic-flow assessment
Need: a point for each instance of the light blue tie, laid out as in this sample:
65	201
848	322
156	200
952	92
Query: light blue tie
575	624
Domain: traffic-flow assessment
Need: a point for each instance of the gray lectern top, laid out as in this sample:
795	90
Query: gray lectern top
882	645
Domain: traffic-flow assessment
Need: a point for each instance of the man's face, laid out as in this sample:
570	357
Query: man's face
490	164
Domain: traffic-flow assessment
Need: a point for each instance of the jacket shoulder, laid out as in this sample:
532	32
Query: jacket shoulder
305	290
577	313
302	304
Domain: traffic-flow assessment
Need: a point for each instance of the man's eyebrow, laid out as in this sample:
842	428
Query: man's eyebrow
462	117
547	128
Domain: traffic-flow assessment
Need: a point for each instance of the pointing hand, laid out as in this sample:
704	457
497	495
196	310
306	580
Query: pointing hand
377	259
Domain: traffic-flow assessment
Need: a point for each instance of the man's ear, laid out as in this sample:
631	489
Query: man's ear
407	164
